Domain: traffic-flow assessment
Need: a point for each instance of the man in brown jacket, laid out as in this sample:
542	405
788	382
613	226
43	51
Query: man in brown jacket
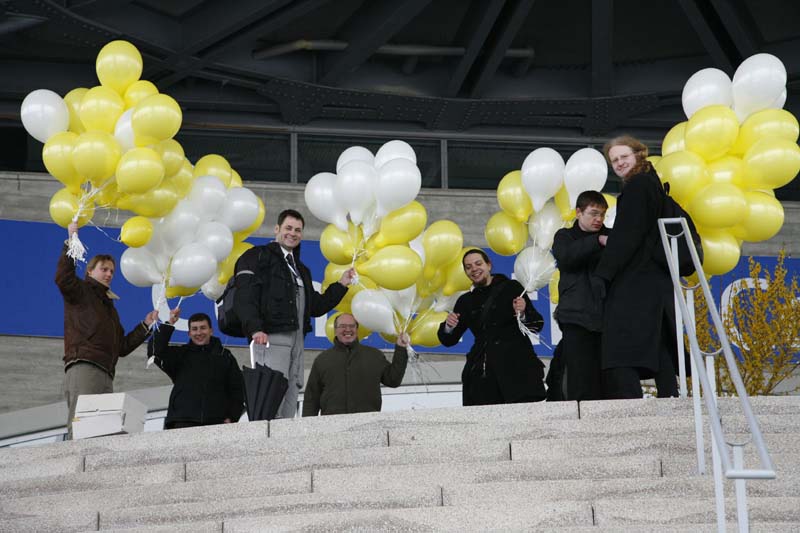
93	336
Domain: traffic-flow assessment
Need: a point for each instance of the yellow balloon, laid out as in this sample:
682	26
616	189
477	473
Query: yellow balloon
727	169
400	226
721	252
183	179
441	241
154	203
455	279
96	155
685	172
712	131
156	118
139	170
138	91
718	205
363	283
101	107
236	180
136	231
57	159
425	326
172	156
388	337
242	235
174	291
771	163
513	198
505	235
213	165
64	205
561	200
107	195
552	287
333	273
674	139
339	246
430	286
73	100
118	65
653	159
767	123
395	267
226	266
330	332
763	220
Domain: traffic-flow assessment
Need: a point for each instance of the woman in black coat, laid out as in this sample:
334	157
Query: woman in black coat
639	338
501	366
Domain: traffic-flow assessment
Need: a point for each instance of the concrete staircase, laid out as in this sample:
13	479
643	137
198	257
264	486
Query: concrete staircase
621	466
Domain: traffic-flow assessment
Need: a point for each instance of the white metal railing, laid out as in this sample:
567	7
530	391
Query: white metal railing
703	377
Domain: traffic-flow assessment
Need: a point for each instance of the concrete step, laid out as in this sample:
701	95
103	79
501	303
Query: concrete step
306	460
124	497
209	526
186	450
47	467
66	522
761	405
231	508
89	481
397	477
787	465
661	511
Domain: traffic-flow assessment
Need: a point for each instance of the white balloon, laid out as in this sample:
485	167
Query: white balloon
780	101
373	310
217	237
354	153
355	188
44	113
534	267
157	247
192	265
706	87
159	297
611	216
542	175
212	289
758	83
586	170
207	195
139	268
240	209
447	303
399	181
402	301
123	131
393	150
321	200
416	245
544	224
179	227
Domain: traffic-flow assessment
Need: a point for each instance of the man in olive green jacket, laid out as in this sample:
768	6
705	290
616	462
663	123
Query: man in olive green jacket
347	378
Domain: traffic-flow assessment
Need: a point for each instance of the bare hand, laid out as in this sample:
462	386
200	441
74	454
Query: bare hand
72	229
259	337
347	277
519	305
174	315
151	317
403	340
227	421
603	239
452	320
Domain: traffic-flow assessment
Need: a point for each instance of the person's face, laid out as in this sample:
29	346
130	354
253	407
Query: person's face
622	159
200	332
346	329
103	272
477	269
591	217
289	233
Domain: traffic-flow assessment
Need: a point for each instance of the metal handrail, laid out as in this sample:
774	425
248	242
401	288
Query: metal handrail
733	466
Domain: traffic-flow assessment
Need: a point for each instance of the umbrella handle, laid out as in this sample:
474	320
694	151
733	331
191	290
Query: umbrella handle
252	355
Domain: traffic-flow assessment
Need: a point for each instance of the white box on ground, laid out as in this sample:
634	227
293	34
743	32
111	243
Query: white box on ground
107	414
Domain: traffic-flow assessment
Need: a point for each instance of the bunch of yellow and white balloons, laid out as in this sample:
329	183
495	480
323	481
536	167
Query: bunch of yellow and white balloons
725	161
112	146
409	276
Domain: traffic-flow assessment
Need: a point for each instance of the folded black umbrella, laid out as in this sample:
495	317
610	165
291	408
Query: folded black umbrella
264	390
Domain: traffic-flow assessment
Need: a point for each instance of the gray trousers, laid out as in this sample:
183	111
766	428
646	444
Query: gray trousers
83	378
285	354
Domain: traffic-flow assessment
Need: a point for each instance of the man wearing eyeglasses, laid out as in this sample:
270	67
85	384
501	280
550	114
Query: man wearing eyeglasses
347	377
579	312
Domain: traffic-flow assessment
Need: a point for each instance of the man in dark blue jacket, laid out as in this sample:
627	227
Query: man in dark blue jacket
207	381
579	313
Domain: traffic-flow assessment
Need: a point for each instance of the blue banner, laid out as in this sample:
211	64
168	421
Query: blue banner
35	307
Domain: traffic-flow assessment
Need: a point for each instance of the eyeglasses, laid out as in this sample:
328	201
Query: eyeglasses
594	214
346	326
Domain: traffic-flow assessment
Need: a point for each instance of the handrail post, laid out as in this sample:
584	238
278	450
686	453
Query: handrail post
679	328
742	517
698	410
